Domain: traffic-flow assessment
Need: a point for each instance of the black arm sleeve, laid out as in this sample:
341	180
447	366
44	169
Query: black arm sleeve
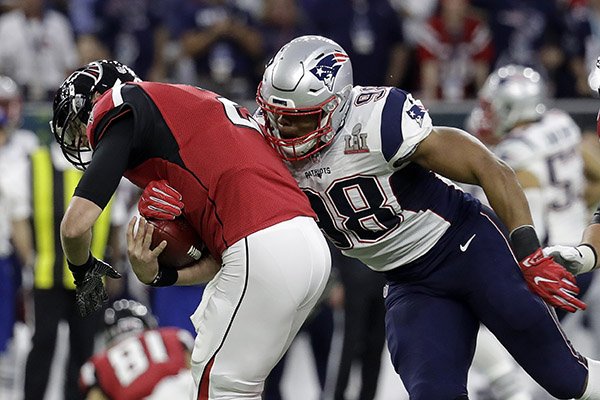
109	162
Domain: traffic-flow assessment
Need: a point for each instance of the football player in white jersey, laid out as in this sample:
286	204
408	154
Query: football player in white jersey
584	257
369	159
371	163
543	148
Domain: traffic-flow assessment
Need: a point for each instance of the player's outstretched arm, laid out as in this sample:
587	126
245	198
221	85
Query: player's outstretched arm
76	229
455	154
459	156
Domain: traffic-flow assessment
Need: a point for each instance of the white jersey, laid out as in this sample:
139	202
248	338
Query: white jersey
549	149
14	188
370	203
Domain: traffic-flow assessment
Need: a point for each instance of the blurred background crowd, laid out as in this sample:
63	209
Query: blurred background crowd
437	49
440	50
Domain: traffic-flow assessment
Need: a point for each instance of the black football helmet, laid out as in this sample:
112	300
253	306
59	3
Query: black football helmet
126	317
73	103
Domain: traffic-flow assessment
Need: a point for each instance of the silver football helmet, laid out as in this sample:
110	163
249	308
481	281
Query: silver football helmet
511	95
11	104
309	76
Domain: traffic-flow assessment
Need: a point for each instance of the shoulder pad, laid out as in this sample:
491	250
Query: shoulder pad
106	108
405	122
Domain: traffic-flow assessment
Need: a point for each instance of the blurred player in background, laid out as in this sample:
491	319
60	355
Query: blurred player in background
368	159
140	361
584	257
53	181
16	245
543	147
268	261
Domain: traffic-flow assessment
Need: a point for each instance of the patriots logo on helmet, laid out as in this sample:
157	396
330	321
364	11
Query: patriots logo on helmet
328	67
416	112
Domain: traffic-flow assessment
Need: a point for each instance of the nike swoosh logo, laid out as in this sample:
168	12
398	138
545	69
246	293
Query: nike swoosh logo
464	247
539	279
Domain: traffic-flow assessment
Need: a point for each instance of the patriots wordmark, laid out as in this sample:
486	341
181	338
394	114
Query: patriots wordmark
318	172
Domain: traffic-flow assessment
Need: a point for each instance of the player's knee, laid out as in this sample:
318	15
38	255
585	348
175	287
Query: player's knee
592	389
226	384
569	382
564	390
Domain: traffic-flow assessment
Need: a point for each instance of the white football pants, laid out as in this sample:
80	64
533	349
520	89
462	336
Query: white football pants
255	305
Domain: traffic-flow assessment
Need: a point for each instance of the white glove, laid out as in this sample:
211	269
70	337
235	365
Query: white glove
577	260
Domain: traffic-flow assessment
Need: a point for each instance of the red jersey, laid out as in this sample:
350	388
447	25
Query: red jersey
131	369
209	149
474	44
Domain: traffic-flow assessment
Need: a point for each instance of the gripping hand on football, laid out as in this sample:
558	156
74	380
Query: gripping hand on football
144	261
577	260
90	293
160	201
549	280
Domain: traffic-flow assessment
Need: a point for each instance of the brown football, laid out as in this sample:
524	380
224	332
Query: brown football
184	246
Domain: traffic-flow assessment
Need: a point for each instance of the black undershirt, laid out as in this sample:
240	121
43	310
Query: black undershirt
109	162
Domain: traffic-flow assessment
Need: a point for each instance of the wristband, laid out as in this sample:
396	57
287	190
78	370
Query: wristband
80	270
589	257
524	241
165	277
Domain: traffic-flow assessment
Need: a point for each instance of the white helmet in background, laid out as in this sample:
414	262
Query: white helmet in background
11	105
309	76
512	95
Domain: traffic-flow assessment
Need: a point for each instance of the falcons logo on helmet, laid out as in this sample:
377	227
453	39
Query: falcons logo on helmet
328	67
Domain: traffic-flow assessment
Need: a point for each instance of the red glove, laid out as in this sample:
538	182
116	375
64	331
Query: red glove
553	283
160	201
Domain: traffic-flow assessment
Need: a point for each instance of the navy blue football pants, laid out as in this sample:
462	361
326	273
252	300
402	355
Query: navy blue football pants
432	320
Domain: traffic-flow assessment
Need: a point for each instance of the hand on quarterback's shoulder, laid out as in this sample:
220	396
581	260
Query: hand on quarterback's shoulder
160	201
577	260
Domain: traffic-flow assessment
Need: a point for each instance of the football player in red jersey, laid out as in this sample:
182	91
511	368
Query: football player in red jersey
268	261
140	361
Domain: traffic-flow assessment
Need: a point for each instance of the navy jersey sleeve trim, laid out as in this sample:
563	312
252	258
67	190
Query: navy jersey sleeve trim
391	123
109	162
